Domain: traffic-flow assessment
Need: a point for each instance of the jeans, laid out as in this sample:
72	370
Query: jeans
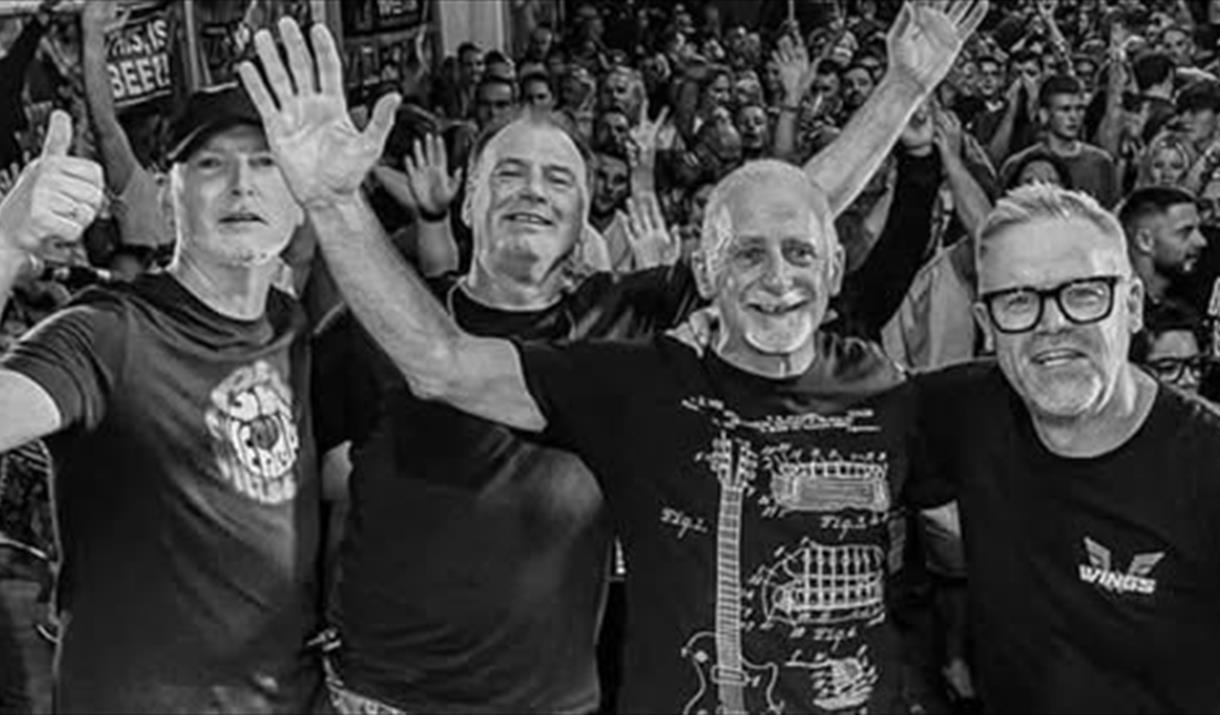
25	656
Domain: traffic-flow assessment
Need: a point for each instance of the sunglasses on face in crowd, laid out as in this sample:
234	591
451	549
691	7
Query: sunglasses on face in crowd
1081	301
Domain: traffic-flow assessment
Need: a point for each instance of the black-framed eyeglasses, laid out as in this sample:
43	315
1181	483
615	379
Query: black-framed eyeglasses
1176	369
1081	301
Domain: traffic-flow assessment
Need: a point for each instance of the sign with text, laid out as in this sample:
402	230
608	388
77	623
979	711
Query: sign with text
138	57
362	17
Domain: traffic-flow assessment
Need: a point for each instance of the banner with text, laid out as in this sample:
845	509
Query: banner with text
138	55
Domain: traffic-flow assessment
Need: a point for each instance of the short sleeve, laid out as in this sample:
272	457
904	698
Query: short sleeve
77	356
586	390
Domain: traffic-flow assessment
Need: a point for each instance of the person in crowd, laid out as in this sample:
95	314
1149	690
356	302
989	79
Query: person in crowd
526	203
1170	346
1039	167
1166	161
1162	228
1061	109
1064	430
538	91
183	453
858	84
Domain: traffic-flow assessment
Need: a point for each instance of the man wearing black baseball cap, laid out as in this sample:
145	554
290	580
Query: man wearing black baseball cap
186	496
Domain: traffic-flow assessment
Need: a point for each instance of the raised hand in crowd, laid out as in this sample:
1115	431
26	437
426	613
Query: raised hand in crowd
946	132
322	154
54	196
927	36
796	72
651	242
433	186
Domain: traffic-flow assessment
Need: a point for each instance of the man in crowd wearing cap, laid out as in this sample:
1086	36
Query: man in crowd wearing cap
472	567
177	417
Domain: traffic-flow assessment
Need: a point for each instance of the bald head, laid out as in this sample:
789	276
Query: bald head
765	192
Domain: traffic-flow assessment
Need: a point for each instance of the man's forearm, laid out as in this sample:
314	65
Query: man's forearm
844	168
117	154
388	298
969	200
481	376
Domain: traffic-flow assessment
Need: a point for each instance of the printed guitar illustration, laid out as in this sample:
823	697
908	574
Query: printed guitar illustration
728	684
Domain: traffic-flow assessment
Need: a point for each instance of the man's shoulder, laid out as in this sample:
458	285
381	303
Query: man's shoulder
960	382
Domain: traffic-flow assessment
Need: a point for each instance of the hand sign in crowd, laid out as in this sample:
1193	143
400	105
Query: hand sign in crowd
855	359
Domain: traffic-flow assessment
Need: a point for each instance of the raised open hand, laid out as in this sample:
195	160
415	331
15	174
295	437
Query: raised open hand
644	133
55	196
429	177
927	36
323	156
796	73
651	243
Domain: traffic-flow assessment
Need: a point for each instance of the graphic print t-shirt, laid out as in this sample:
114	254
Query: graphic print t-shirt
1093	582
186	502
755	516
473	566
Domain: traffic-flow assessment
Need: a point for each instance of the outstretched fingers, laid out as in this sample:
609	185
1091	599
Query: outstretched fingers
974	18
382	122
278	80
330	69
299	60
256	87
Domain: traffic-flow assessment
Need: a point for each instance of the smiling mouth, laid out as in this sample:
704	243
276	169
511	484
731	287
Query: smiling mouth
529	219
777	309
1057	358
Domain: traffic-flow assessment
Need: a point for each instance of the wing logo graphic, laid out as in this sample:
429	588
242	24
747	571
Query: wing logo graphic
1103	572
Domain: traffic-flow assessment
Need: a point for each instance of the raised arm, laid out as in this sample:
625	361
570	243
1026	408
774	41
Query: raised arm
55	196
923	44
117	154
324	159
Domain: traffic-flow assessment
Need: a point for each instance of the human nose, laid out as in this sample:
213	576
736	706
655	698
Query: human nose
1052	319
777	275
240	177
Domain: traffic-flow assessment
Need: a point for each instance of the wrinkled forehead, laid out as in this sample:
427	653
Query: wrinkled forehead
768	207
533	143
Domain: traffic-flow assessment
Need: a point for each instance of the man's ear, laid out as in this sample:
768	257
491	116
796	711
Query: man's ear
1135	304
1044	117
1142	241
700	267
838	261
984	322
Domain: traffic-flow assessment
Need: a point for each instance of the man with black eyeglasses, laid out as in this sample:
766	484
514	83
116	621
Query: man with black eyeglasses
1086	489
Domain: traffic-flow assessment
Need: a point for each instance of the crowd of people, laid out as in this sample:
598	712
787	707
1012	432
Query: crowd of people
677	364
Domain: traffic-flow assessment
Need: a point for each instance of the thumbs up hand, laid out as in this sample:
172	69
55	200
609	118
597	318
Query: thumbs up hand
56	195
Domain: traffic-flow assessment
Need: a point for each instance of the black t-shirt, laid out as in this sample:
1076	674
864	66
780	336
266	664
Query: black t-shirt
186	501
474	561
1093	582
756	518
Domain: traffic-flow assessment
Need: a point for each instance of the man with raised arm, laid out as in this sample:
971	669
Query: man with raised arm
185	493
529	198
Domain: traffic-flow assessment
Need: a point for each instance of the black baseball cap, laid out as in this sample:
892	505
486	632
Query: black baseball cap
208	111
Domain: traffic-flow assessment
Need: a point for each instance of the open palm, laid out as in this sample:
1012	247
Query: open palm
322	154
927	36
